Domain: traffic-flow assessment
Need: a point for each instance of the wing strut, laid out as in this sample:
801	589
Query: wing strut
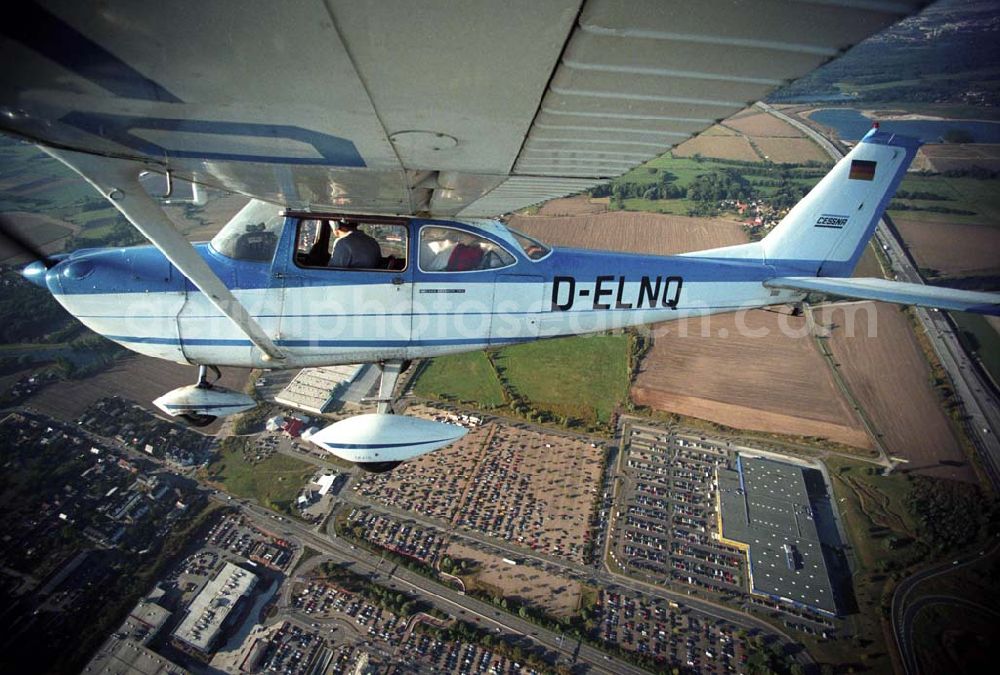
118	181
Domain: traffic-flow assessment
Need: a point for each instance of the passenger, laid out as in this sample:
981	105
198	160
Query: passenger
354	248
465	256
435	253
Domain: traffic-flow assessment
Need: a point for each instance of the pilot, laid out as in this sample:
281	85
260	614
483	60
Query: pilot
354	248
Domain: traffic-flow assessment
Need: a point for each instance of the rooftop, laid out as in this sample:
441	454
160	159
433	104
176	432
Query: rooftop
212	606
314	389
765	505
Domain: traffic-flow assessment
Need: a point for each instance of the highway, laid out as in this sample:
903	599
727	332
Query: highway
441	596
971	387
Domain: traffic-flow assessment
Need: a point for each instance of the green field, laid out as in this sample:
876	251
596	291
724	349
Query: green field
967	194
467	378
762	177
274	482
573	380
677	207
979	336
584	378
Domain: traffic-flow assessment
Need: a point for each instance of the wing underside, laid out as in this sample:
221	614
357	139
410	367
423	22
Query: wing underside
472	108
894	291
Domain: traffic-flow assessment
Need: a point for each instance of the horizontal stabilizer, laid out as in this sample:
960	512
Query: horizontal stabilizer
894	291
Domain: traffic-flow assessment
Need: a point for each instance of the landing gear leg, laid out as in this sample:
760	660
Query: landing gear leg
391	370
203	382
199	419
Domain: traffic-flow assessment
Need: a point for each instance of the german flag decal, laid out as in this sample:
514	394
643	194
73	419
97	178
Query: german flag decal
862	169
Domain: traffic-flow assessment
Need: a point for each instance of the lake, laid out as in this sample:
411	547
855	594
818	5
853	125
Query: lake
852	125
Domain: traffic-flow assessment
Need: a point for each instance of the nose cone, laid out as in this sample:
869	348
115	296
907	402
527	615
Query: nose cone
35	273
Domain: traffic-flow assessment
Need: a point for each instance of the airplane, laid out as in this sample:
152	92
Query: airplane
424	119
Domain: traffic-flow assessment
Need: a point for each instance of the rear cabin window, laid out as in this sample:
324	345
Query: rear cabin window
365	245
252	234
444	249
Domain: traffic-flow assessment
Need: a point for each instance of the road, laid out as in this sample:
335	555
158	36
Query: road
442	597
904	613
976	394
602	576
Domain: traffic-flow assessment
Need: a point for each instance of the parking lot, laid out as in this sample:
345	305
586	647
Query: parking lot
666	516
405	538
424	653
667	631
293	650
340	620
531	488
239	537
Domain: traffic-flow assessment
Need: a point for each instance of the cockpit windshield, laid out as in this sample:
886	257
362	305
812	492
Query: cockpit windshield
532	248
252	234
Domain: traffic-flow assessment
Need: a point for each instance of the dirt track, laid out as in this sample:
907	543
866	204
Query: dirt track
889	376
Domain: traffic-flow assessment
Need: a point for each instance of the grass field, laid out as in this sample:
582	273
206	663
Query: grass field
967	194
463	377
584	377
274	482
979	335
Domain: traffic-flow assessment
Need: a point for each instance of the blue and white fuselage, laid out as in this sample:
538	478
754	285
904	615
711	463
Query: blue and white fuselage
275	291
425	299
323	316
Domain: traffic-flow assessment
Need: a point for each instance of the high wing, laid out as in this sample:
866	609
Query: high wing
405	107
894	291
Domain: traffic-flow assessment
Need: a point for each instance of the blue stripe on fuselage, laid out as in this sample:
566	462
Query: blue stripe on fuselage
144	270
374	344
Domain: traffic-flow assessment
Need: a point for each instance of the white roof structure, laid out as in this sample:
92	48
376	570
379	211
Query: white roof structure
212	605
325	482
314	389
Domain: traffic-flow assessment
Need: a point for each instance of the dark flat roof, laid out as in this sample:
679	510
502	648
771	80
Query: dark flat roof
766	506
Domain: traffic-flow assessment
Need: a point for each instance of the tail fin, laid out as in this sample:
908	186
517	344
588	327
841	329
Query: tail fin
826	233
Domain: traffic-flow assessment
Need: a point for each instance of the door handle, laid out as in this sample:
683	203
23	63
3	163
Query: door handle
398	281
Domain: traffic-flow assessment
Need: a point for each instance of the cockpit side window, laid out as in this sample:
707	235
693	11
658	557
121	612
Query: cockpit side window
534	249
445	249
365	244
252	234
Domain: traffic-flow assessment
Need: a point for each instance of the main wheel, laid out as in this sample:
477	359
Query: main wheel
197	420
378	467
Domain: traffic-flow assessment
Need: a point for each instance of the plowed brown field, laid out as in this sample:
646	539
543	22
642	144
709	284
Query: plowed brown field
790	150
953	249
572	206
652	233
752	122
722	147
889	376
774	382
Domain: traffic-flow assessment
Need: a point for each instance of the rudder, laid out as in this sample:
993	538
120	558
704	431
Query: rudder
826	232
